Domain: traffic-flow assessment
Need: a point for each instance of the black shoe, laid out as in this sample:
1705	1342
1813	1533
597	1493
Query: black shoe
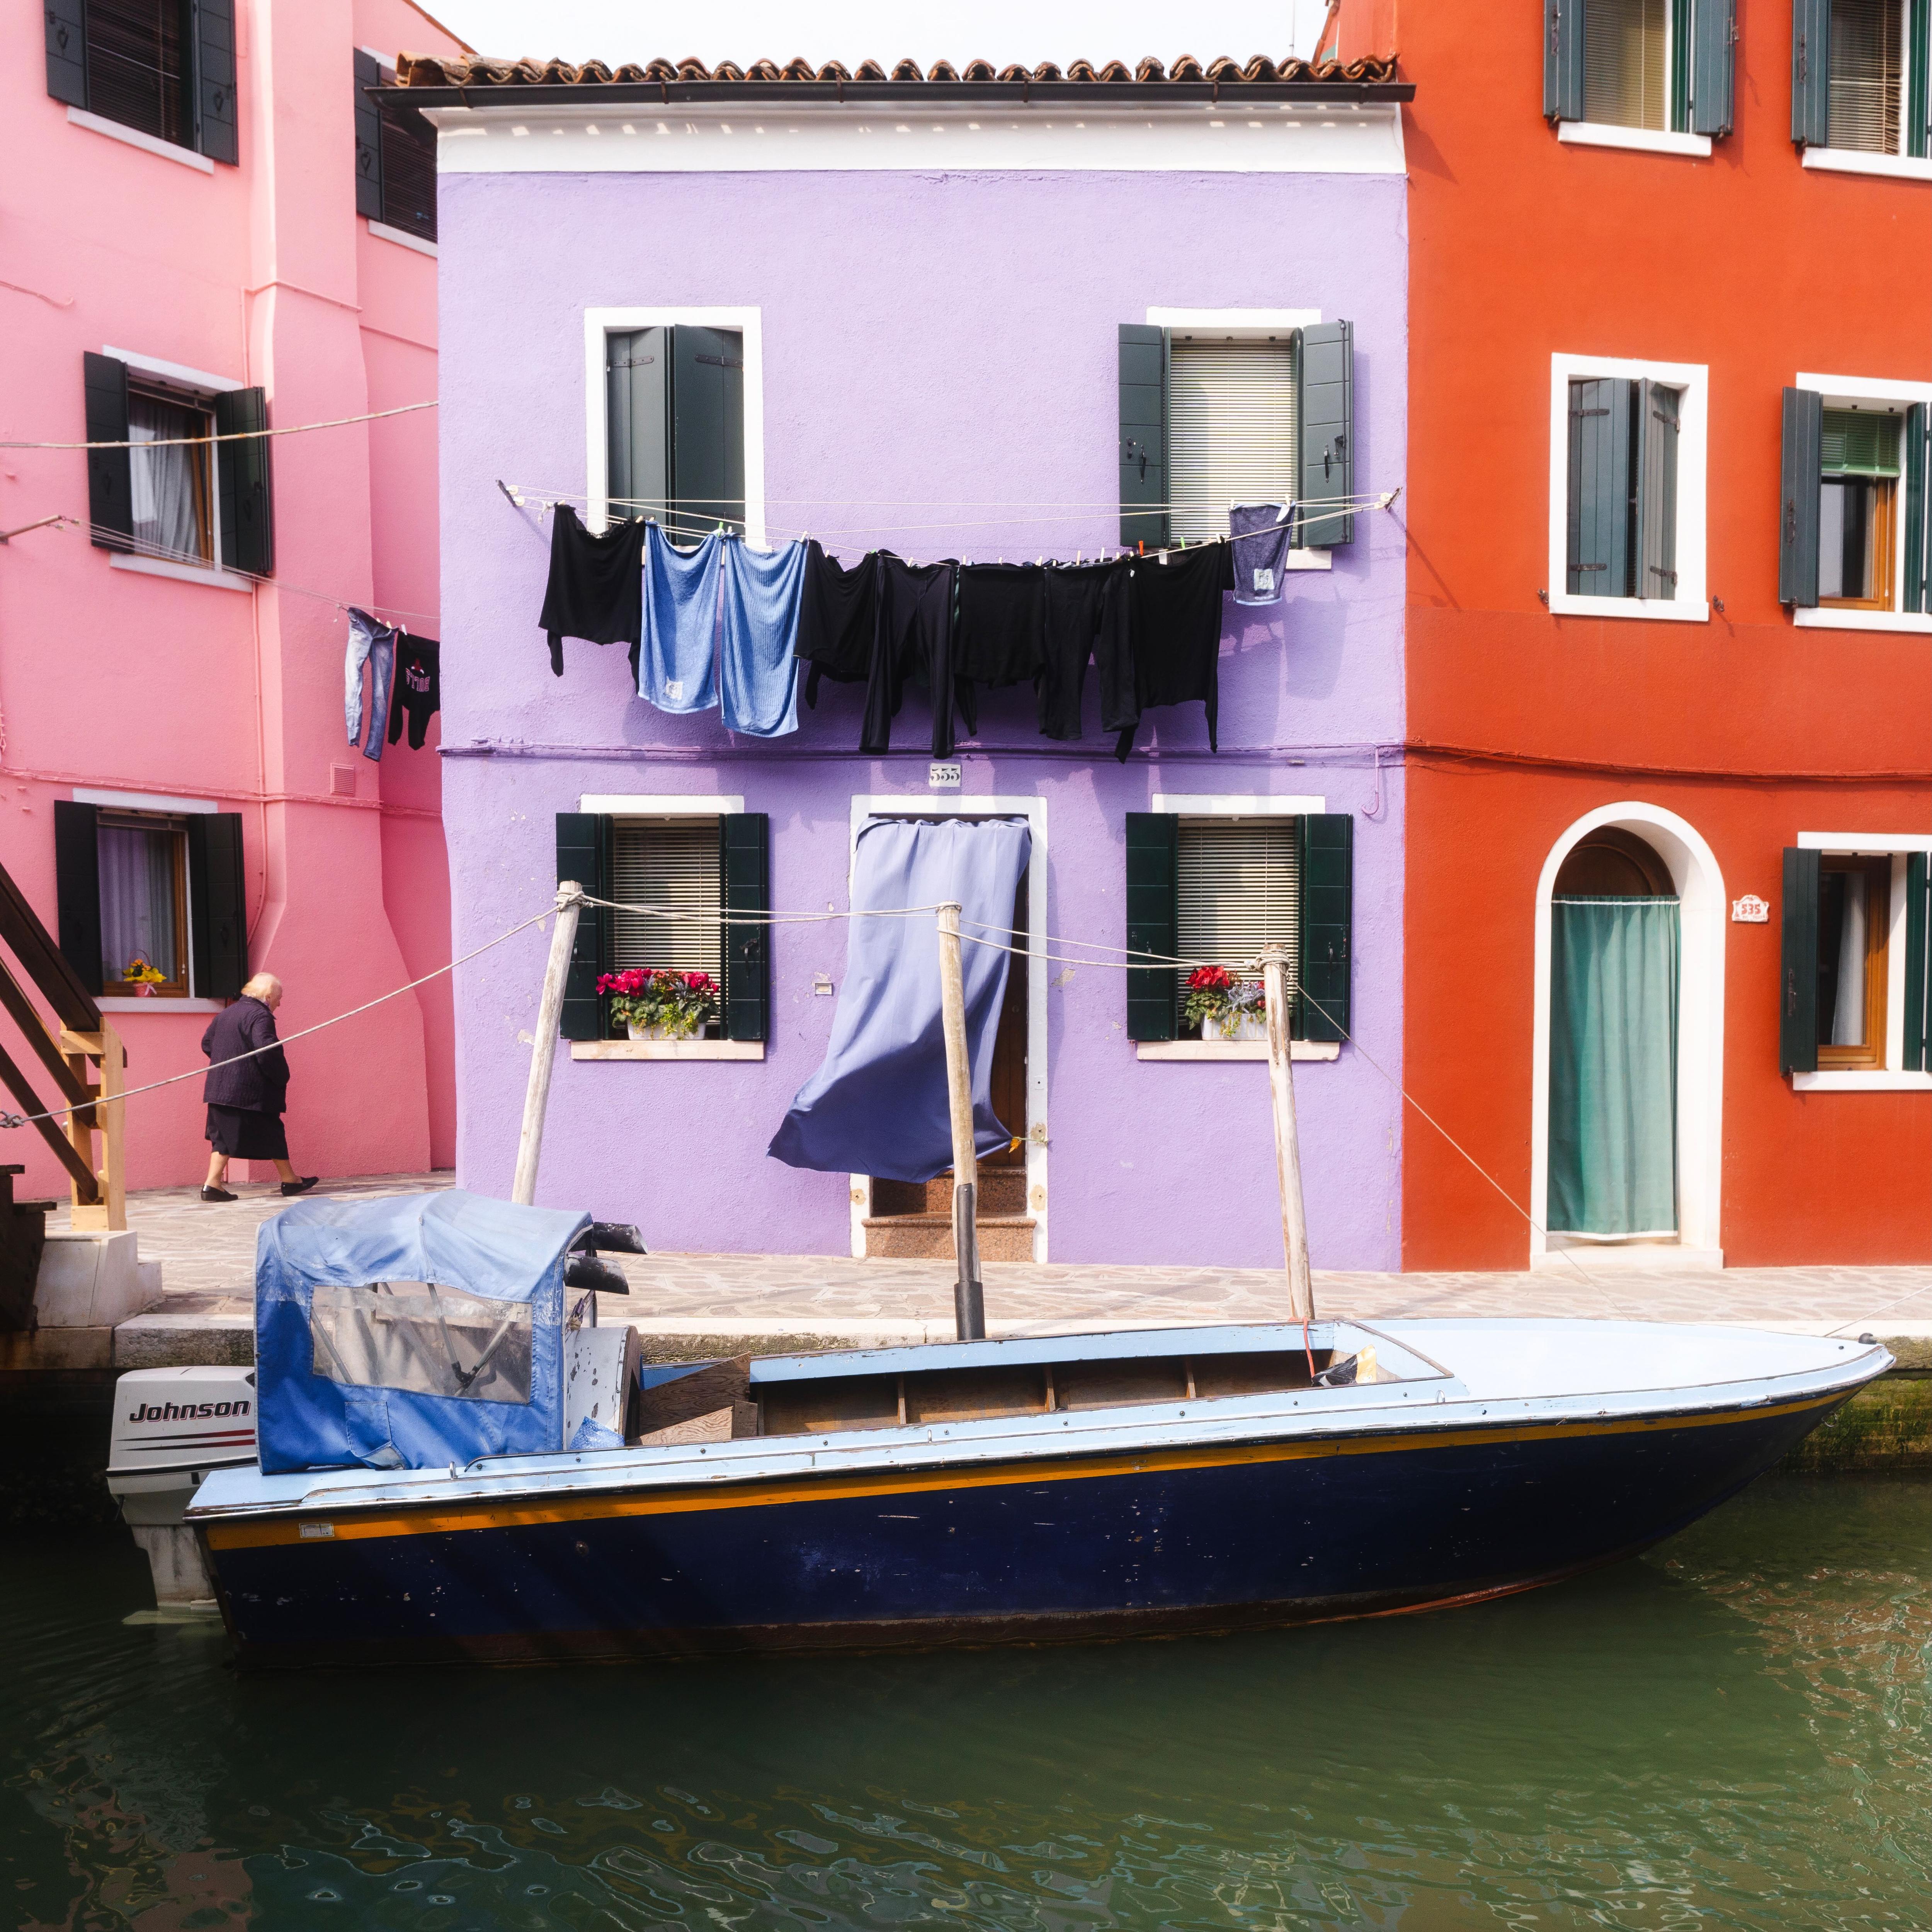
216	1194
302	1187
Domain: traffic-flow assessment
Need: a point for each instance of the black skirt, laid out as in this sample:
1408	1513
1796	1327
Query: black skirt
246	1133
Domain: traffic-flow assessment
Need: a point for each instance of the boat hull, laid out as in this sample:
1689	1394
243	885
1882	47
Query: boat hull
1041	1549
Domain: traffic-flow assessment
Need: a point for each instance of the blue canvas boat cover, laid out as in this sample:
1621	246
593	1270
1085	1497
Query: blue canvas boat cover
878	1104
410	1332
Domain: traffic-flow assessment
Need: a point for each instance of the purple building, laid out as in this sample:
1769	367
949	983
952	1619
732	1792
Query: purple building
985	319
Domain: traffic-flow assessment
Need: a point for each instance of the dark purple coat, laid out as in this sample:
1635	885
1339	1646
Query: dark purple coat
261	1084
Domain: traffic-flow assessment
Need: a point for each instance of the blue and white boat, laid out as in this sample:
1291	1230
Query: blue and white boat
1041	1489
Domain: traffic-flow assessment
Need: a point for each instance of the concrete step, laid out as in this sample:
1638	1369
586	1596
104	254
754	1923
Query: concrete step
1003	1238
1002	1190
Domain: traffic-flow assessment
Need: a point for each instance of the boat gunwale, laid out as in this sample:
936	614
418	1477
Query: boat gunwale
1131	1429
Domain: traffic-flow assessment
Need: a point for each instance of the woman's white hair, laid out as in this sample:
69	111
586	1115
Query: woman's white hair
260	983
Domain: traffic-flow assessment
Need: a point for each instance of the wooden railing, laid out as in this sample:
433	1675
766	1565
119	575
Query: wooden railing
82	1039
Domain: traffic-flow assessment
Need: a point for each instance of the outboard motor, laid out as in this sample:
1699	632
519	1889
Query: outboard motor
171	1427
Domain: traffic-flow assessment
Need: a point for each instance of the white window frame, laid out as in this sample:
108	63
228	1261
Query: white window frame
663	804
1692	380
215	576
1898	166
1234	804
1845	392
1246	324
970	805
1891	1078
599	323
148	801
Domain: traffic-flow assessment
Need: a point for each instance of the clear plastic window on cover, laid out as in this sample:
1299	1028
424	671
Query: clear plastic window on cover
422	1337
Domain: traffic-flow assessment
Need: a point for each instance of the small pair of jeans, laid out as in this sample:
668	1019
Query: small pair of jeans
372	643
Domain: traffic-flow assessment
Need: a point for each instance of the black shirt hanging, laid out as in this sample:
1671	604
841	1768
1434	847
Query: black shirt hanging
1176	617
838	615
416	695
596	587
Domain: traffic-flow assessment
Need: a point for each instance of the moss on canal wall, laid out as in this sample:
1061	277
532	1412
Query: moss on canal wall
1886	1426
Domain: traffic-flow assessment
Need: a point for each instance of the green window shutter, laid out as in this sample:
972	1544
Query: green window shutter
77	888
1918	987
1713	35
744	864
246	489
1811	73
1802	464
1797	969
215	80
636	388
66	51
1327	436
1918	78
368	137
1328	915
218	885
1154	922
707	437
1918	504
1657	432
1598	548
583	854
1563	60
1144	518
110	485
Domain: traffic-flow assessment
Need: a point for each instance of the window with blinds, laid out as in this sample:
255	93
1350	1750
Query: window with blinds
1868	75
138	66
1239	888
674	863
1858	508
1627	63
1231	431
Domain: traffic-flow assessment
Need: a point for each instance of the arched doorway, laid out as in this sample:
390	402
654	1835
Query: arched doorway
1628	1100
1614	963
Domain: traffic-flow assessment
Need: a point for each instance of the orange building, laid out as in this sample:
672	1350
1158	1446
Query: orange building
1669	648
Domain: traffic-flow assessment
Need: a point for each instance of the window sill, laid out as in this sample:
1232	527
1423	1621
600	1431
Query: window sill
1861	1080
1816	617
1678	609
667	1049
383	232
182	573
1233	1049
78	117
158	1003
1642	140
1855	161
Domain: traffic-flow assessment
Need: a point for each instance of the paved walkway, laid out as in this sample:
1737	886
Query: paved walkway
207	1254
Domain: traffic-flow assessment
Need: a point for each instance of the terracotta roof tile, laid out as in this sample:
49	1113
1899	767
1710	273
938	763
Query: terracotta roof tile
482	71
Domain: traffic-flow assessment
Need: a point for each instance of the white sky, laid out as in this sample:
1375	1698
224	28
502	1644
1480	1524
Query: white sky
1000	30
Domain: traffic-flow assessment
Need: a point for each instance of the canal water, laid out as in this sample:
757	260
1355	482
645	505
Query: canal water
1731	1732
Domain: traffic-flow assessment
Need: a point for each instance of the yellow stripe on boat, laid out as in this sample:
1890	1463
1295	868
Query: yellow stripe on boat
426	1519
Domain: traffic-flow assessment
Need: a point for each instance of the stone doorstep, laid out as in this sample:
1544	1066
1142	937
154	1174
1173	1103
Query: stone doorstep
1003	1238
92	1280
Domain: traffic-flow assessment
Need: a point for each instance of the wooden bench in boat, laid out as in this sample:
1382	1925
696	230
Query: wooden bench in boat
894	1389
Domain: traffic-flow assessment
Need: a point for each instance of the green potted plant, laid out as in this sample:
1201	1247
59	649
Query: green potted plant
1224	1007
652	1003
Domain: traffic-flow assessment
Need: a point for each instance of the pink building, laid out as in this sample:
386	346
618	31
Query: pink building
207	228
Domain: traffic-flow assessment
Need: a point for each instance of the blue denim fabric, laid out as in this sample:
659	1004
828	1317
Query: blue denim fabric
1260	534
372	643
677	666
762	590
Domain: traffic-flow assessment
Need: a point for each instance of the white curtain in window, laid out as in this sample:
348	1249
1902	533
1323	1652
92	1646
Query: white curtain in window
137	899
169	502
1848	1014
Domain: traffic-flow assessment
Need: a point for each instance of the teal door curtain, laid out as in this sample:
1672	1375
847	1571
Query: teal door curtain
1613	993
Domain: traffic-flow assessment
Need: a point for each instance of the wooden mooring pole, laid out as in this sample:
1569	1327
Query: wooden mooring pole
1287	1146
543	1048
969	1307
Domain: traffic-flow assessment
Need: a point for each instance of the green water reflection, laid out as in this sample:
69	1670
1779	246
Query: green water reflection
1731	1733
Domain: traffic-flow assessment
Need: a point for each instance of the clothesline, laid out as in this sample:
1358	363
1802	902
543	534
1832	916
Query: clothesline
544	498
161	553
226	436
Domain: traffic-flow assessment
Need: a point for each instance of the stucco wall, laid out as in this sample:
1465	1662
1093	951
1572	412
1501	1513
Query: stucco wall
261	273
939	359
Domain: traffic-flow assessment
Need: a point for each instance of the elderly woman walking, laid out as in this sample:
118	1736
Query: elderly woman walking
246	1099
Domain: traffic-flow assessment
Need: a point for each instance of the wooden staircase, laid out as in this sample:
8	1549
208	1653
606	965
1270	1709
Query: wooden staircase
912	1220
